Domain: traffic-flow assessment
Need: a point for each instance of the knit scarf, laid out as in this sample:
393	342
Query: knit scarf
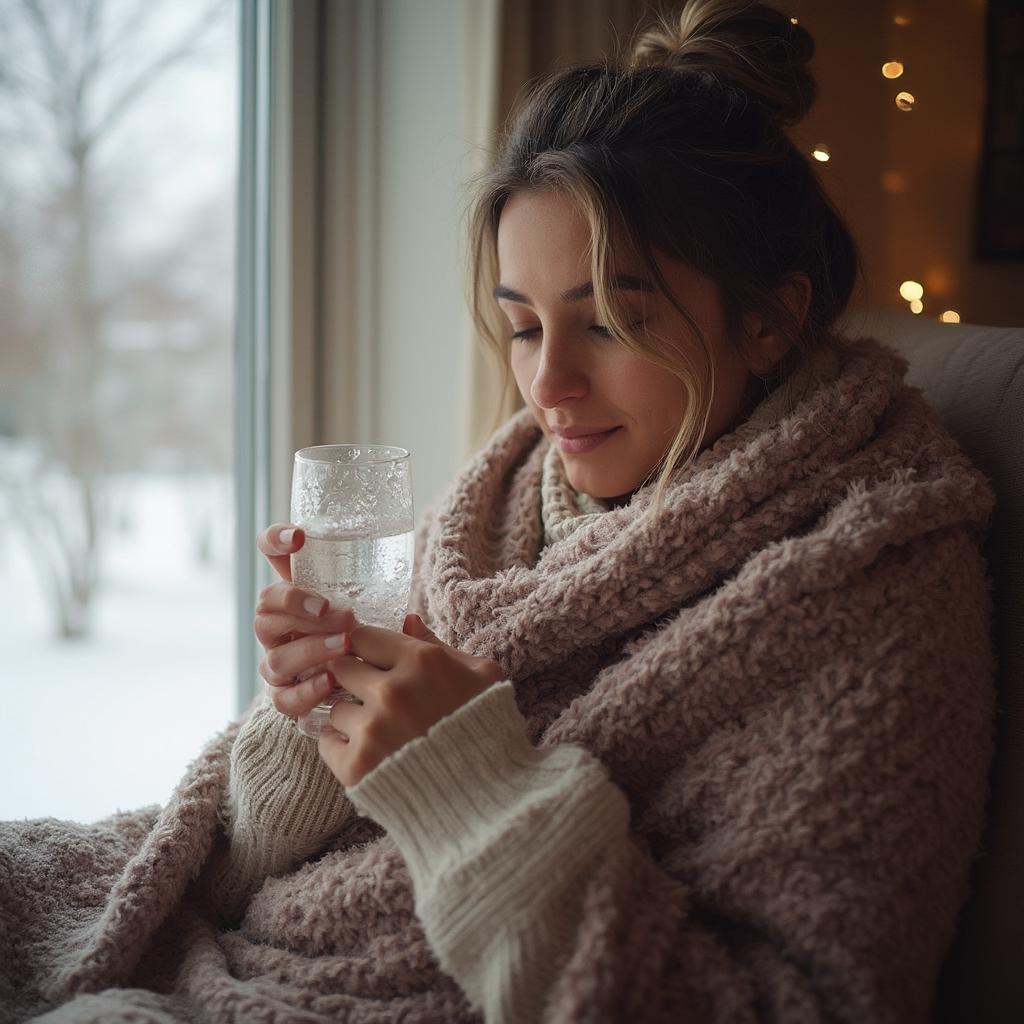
859	438
564	509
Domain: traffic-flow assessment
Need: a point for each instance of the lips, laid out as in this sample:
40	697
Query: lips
580	431
584	442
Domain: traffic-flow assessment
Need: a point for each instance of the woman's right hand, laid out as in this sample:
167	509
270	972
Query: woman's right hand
289	623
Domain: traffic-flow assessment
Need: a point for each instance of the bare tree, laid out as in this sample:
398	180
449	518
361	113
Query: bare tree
70	72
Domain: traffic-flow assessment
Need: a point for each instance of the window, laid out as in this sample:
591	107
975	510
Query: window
118	196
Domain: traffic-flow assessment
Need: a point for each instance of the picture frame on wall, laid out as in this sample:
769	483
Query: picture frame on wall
1000	207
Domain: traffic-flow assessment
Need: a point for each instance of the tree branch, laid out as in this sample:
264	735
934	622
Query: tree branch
52	60
150	74
129	31
92	49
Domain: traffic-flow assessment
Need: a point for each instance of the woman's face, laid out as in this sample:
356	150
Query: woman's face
572	377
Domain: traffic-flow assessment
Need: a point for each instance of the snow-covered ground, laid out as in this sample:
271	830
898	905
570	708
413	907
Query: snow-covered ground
111	722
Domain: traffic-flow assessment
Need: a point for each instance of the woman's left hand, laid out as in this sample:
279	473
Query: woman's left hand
406	681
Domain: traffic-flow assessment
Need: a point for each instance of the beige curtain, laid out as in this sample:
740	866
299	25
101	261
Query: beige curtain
508	43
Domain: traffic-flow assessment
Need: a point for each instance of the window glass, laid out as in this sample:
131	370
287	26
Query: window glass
118	134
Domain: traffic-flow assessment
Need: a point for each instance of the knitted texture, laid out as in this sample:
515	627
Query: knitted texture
475	807
564	510
787	676
282	804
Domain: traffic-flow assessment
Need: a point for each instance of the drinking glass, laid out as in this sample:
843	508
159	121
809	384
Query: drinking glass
354	504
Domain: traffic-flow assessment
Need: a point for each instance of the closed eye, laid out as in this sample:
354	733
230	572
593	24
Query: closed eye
601	332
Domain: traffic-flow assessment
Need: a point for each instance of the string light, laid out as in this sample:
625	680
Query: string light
794	21
821	152
895	182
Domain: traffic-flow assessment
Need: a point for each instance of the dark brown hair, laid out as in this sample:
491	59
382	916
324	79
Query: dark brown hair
681	146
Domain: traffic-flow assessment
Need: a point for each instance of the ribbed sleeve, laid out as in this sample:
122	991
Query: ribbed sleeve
282	805
499	838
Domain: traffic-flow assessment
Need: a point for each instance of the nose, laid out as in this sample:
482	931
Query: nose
559	374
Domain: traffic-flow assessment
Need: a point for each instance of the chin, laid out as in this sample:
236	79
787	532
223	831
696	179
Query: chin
593	484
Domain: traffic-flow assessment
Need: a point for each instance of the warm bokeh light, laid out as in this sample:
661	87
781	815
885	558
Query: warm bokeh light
902	20
911	290
938	280
894	182
916	306
950	316
795	22
892	69
821	152
905	101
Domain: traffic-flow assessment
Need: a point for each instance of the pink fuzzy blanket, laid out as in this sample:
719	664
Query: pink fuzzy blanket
789	674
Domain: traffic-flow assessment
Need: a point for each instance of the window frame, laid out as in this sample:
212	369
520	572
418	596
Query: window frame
251	321
278	284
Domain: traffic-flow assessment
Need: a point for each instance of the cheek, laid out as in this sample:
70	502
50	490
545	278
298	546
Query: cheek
654	395
522	373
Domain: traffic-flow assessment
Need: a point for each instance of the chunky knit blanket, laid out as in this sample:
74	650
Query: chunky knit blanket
785	680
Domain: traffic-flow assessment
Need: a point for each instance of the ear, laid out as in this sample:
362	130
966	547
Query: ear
766	347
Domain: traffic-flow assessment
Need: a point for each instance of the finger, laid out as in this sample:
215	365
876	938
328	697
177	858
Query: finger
347	712
300	699
292	659
380	647
306	604
347	717
278	545
333	748
273	678
359	678
416	627
353	741
273	629
286	597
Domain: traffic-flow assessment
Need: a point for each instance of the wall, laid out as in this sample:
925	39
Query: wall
924	232
392	291
422	164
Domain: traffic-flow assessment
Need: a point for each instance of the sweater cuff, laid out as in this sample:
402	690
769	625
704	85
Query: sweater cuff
442	795
500	838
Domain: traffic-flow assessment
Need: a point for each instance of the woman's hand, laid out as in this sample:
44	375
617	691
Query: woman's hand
292	625
406	682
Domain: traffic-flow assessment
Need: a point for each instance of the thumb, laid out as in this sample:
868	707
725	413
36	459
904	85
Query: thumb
415	627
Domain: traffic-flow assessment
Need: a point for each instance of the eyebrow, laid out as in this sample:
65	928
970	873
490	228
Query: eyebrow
581	291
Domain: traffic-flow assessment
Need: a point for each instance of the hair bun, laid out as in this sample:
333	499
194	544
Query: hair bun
749	46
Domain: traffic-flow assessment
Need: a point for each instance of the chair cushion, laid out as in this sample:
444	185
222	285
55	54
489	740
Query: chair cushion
973	376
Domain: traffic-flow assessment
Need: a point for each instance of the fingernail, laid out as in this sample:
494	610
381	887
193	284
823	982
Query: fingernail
335	642
314	605
287	536
323	685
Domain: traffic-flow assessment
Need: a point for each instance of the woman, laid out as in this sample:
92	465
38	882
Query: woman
693	715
